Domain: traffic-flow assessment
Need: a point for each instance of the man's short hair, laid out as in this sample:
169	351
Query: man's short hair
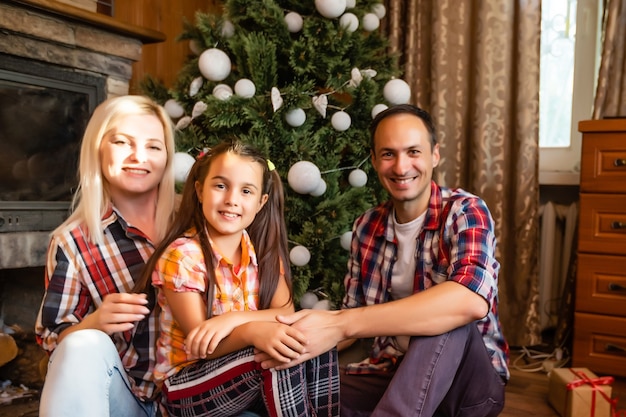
404	109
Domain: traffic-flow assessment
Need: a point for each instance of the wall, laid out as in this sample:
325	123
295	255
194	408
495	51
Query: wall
162	60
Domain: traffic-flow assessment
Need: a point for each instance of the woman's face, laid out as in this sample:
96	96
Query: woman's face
134	156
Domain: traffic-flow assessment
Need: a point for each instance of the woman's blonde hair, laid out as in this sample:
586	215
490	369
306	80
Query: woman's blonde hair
92	198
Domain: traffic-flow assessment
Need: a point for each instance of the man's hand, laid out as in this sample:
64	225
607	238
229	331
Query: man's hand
321	330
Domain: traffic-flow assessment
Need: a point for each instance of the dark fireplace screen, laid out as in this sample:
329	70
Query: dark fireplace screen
43	114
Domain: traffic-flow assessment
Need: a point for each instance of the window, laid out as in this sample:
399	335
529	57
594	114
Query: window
570	56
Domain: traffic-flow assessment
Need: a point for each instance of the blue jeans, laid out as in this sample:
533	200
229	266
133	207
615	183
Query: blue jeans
86	378
446	375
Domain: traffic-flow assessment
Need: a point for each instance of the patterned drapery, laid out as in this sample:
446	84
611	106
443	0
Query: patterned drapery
474	65
611	90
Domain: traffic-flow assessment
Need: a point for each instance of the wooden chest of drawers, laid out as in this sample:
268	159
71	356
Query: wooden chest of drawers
600	308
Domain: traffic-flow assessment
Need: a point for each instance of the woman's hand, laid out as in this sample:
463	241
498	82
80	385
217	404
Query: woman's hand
118	313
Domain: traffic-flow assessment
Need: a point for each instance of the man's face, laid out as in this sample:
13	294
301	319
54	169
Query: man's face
404	160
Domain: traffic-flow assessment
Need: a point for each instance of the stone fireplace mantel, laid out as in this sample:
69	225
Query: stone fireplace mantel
76	39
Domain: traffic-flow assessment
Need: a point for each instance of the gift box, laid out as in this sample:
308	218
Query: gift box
578	392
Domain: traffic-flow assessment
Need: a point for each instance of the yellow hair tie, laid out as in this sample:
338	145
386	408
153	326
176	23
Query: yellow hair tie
271	165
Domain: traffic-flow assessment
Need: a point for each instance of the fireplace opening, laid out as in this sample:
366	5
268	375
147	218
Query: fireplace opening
44	110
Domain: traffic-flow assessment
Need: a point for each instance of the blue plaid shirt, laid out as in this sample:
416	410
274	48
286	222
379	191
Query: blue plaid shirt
457	243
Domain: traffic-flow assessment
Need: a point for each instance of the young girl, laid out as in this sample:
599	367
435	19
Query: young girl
223	276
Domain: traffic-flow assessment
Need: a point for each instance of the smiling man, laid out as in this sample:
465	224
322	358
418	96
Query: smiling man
423	282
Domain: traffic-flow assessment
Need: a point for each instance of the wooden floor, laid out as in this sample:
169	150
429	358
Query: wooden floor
526	395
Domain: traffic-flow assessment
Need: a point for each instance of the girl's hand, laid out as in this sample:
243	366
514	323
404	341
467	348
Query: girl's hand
281	342
203	339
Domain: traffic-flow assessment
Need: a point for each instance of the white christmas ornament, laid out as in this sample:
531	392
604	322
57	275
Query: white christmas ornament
214	64
304	177
346	240
330	8
321	104
378	108
350	4
349	21
183	122
222	91
379	10
228	29
371	22
198	109
195	86
173	108
397	91
294	22
357	178
245	88
341	121
320	190
308	300
299	255
195	47
322	305
182	164
295	117
277	100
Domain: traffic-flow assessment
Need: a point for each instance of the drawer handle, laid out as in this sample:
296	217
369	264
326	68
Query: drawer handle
616	287
618	225
614	348
619	162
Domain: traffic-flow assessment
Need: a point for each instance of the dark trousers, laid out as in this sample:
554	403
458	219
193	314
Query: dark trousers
447	375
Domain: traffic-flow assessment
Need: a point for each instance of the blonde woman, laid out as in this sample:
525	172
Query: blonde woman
100	336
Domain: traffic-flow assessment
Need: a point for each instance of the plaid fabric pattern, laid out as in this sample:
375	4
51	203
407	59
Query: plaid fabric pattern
457	243
181	268
77	277
233	383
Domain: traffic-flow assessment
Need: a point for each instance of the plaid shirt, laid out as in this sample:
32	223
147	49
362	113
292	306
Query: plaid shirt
457	243
79	274
181	268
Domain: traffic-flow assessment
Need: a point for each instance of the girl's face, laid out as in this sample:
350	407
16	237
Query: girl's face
134	156
231	195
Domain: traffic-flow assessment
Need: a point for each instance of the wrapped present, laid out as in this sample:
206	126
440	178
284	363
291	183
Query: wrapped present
578	392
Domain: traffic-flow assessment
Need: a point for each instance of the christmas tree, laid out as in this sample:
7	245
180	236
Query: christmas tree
301	81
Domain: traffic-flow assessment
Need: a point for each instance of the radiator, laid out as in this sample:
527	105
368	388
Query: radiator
556	247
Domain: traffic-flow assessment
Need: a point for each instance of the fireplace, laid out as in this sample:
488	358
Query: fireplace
57	63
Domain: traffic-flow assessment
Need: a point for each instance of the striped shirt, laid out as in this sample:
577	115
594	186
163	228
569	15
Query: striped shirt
181	268
80	274
457	243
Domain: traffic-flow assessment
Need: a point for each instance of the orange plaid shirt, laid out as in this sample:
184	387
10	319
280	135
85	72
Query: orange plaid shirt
181	268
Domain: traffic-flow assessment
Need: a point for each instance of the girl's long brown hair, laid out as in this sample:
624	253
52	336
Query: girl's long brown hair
268	231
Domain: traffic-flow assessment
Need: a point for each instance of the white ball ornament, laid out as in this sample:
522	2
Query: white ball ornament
222	91
371	22
357	178
330	8
299	255
320	190
349	21
295	117
378	108
245	88
346	240
173	108
350	4
397	91
379	10
341	121
308	300
182	163
214	64
322	305
304	177
294	22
